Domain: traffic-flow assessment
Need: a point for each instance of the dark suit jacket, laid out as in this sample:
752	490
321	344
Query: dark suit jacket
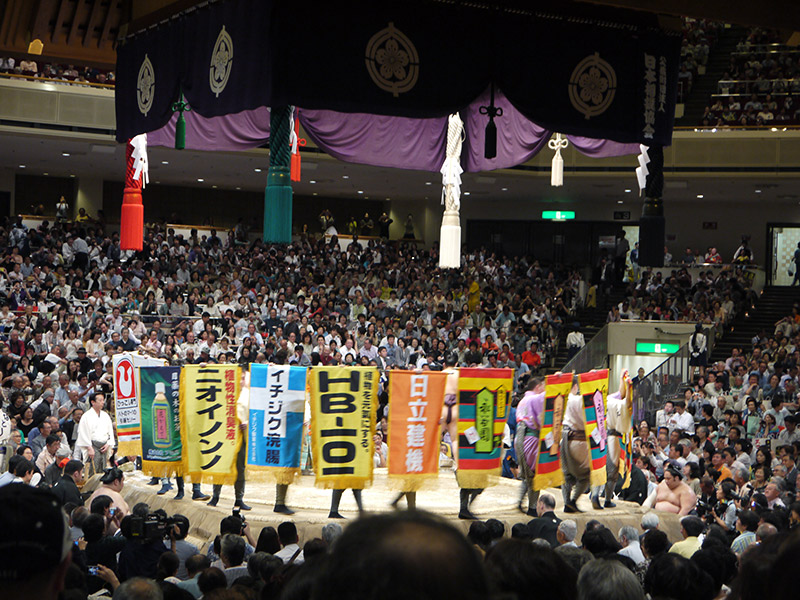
637	490
66	491
545	527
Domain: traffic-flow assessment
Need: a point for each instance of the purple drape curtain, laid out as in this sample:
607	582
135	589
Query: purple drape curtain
518	139
240	131
378	140
385	141
601	148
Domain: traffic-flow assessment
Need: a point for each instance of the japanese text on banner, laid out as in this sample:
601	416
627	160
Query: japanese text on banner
209	421
415	409
342	415
275	428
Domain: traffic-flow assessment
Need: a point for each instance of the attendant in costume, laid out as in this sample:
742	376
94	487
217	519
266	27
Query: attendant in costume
526	441
575	460
449	420
243	416
95	440
618	423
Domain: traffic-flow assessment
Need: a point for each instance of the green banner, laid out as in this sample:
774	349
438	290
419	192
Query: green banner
161	426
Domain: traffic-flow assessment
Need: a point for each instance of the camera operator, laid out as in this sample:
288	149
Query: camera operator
237	525
145	543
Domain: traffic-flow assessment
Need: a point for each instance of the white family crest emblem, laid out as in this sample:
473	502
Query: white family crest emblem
392	61
146	86
592	86
221	62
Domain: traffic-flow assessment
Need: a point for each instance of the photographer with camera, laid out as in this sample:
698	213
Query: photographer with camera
144	543
723	513
237	525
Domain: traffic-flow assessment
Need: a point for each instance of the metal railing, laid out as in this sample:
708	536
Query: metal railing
726	87
594	355
661	384
667	380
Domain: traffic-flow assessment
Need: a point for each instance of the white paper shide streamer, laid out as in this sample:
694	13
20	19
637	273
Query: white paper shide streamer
557	170
141	165
642	171
450	233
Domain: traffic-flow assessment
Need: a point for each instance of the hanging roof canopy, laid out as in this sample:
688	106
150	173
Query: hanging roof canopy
422	59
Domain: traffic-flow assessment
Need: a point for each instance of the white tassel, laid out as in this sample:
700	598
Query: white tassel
557	169
450	232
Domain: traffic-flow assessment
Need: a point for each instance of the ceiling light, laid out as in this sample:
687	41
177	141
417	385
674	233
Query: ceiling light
238	188
466	193
65	154
22	166
758	191
164	162
700	196
257	170
72	175
360	191
503	189
428	183
312	181
345	176
619	201
213	186
627	191
314	194
388	199
200	180
45	173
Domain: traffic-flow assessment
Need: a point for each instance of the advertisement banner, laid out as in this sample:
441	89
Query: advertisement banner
275	429
162	451
415	401
343	404
548	463
593	389
484	397
126	400
209	425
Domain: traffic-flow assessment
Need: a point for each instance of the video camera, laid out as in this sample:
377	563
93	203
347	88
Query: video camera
152	527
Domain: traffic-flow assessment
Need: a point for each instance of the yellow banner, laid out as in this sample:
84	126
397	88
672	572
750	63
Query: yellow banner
209	422
343	404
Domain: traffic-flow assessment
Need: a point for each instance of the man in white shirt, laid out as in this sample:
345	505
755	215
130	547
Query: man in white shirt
629	538
291	552
96	434
681	420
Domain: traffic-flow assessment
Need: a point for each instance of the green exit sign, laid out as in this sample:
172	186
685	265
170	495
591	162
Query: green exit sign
657	348
558	215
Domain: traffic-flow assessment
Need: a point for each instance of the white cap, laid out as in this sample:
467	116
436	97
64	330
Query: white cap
160	389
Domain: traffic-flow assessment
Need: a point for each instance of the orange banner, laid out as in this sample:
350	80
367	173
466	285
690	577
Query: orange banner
415	406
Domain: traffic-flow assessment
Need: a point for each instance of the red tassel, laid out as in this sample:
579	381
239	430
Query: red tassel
294	171
131	230
294	168
131	227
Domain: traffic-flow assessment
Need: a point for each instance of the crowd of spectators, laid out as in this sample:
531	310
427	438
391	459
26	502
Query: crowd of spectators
71	299
760	86
402	555
699	37
59	72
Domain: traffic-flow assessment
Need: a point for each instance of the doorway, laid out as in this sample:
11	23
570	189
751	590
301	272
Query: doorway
783	240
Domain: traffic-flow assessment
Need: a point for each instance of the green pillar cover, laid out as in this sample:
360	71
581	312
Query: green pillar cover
278	193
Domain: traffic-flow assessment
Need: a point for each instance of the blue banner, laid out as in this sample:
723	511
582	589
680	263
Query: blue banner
277	408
